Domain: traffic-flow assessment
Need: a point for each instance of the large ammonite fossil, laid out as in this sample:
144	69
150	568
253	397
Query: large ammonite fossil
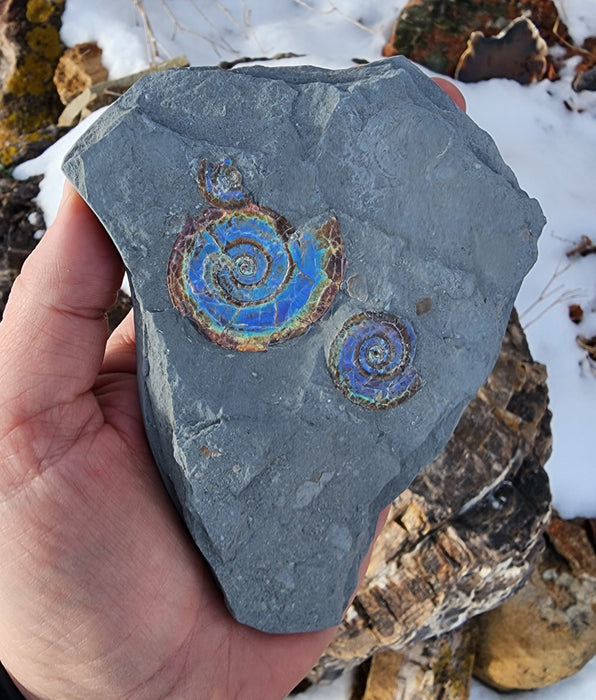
243	275
370	360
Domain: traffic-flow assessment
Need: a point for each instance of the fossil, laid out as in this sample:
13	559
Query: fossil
241	272
370	360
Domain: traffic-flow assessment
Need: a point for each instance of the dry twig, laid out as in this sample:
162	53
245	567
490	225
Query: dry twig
547	295
232	19
219	46
152	49
226	65
333	8
177	26
564	42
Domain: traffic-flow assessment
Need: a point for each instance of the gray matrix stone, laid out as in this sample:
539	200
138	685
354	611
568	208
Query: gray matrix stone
280	460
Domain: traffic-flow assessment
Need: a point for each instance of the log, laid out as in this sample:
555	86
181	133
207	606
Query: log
437	669
30	47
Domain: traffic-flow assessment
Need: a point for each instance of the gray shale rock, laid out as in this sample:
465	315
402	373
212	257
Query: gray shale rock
279	476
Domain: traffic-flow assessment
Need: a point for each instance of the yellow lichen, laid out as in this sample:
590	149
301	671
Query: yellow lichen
15	127
45	41
39	10
7	155
14	143
32	77
22	120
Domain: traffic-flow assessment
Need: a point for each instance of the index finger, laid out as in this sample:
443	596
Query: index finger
454	93
54	331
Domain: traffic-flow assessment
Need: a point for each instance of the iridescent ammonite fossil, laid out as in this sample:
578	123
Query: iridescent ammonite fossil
370	360
242	273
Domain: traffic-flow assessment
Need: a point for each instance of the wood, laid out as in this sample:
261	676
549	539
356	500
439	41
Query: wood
437	669
104	93
30	47
79	68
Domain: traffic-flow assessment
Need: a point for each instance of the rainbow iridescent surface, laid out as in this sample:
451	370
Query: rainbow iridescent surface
370	360
243	276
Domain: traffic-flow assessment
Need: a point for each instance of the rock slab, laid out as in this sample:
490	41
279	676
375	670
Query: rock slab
276	462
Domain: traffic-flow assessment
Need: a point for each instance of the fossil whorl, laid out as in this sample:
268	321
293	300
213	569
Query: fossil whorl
370	360
243	275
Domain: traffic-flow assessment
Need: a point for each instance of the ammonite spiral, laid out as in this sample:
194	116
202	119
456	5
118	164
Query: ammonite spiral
242	274
370	360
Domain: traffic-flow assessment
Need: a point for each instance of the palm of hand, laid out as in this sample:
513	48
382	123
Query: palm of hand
102	592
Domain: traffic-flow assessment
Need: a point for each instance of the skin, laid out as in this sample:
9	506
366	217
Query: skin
450	89
102	592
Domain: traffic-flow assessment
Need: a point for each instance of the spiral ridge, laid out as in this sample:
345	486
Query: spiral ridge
241	273
370	360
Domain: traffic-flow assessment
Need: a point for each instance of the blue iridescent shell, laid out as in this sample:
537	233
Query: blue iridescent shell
241	273
370	360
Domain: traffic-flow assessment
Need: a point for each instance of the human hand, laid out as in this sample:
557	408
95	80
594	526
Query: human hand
102	592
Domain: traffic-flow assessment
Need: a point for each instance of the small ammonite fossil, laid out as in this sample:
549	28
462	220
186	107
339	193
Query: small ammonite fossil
243	275
370	360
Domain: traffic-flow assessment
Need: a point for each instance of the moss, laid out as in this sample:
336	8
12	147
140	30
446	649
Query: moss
45	41
40	10
22	124
442	666
413	26
452	673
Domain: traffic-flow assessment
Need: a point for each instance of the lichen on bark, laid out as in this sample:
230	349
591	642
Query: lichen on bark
30	47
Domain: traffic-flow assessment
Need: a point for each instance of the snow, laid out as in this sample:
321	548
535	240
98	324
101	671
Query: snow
580	18
551	150
545	132
113	24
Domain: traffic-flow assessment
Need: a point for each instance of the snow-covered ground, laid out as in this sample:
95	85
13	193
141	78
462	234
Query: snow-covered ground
546	133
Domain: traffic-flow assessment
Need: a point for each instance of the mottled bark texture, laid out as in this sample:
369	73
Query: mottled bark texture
30	47
437	669
434	32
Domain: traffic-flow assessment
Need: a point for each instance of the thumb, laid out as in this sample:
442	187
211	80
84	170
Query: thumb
54	331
